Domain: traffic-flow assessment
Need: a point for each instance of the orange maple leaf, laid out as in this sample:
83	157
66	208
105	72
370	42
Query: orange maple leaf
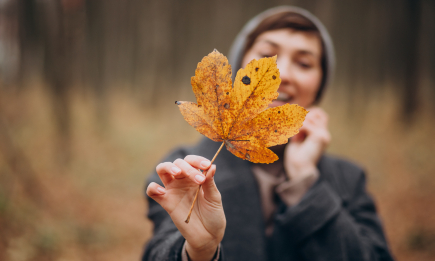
239	117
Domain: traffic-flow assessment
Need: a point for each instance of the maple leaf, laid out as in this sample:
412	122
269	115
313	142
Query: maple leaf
239	117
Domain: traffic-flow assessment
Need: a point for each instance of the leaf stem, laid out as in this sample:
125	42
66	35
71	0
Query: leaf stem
199	188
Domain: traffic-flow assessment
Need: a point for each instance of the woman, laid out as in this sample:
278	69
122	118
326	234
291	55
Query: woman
305	206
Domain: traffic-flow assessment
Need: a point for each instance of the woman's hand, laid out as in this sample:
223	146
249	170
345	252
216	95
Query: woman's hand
305	148
207	225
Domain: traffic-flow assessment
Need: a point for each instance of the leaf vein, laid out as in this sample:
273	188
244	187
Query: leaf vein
204	120
243	107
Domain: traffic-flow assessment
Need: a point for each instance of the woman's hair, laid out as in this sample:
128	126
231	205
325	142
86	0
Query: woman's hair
288	20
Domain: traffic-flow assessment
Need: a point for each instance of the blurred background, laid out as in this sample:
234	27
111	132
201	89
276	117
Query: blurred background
87	91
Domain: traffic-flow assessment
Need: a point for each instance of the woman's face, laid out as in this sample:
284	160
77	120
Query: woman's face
299	55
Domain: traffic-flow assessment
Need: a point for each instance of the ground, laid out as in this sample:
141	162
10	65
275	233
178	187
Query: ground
86	202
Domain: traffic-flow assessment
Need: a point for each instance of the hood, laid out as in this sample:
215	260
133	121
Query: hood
236	51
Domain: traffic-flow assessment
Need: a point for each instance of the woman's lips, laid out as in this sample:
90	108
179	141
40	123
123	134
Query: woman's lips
276	103
282	99
283	96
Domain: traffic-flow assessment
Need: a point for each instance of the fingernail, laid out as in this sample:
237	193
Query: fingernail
161	190
205	163
199	178
175	170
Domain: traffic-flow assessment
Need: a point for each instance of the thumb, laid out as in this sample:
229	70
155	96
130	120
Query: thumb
211	193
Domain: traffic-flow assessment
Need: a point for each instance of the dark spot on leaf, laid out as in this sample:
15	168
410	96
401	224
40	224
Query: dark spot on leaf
256	69
276	130
274	77
226	105
248	156
264	98
246	80
279	111
269	118
228	93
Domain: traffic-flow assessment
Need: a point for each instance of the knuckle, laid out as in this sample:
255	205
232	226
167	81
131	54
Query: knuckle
161	166
178	162
191	172
308	117
314	110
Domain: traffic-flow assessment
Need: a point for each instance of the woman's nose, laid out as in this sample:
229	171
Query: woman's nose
285	71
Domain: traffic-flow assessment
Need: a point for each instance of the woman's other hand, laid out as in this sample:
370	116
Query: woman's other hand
305	148
181	179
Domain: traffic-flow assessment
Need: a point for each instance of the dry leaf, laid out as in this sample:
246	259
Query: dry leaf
240	116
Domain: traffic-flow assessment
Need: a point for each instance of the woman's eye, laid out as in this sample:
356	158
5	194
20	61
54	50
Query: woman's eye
265	55
305	65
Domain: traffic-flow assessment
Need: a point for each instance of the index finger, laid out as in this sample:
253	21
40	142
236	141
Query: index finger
198	162
166	171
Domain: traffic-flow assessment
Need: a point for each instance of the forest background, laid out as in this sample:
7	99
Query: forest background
87	91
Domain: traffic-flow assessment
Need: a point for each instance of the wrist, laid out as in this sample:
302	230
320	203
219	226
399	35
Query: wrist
205	253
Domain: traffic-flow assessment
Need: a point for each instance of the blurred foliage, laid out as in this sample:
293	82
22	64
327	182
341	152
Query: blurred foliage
86	110
151	47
